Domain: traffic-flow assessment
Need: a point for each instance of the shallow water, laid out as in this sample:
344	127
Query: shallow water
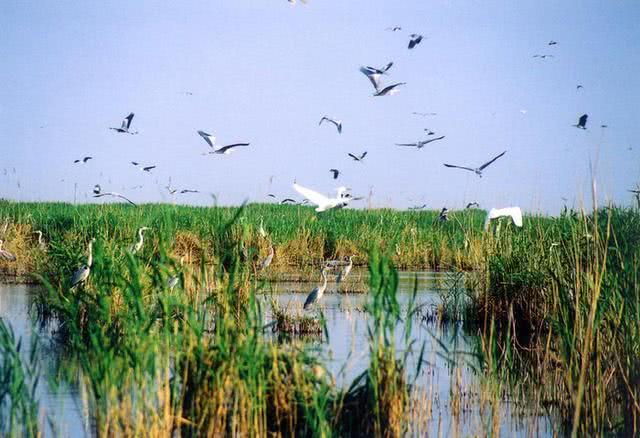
446	352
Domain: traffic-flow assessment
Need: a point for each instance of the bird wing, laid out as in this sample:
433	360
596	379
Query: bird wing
433	139
389	88
583	120
364	154
372	76
117	195
126	123
285	200
492	160
322	120
353	156
85	159
407	144
459	167
313	196
229	148
387	67
310	298
210	139
148	168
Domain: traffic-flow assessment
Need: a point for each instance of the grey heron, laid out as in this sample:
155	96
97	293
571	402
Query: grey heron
267	261
420	143
81	275
473	205
477	170
335	172
444	214
209	138
134	248
126	126
83	160
337	123
582	122
358	158
226	150
316	294
6	255
345	271
552	43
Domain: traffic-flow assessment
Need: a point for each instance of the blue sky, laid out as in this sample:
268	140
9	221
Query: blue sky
267	71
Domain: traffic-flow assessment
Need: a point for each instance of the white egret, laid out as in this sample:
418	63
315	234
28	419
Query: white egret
513	212
81	275
6	255
317	293
138	245
323	202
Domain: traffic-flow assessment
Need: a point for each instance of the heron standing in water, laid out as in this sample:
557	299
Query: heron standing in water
317	293
81	275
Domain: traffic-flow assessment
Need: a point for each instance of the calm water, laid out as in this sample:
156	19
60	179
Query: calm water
346	352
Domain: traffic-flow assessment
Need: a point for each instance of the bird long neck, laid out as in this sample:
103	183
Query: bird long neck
140	235
324	276
1	242
39	237
90	258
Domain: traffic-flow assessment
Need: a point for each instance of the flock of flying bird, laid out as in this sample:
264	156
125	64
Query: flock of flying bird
322	202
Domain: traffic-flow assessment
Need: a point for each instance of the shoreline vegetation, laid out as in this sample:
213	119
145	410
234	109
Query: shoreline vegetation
554	308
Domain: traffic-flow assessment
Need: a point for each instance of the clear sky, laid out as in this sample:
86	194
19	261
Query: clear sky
266	71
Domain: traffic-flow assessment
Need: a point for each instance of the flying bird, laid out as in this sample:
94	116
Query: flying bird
338	123
183	191
414	40
335	172
478	170
323	202
428	131
472	205
377	71
418	207
390	90
552	43
582	122
444	214
126	125
209	138
148	168
542	56
579	87
394	28
226	150
421	143
114	194
97	189
513	212
424	114
84	160
356	158
287	201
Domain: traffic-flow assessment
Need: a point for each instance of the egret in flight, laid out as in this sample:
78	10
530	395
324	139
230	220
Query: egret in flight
477	170
126	126
317	293
337	123
323	202
513	212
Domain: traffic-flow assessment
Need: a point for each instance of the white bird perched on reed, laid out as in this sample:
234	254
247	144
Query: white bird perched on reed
345	271
267	261
6	255
81	275
317	293
513	212
323	202
134	248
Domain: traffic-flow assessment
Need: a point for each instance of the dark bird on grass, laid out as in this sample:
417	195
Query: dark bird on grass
477	170
360	158
209	138
335	172
126	126
414	40
84	160
82	273
114	194
444	215
582	122
473	205
421	143
6	255
97	189
542	56
394	28
317	293
226	150
389	90
337	123
552	43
